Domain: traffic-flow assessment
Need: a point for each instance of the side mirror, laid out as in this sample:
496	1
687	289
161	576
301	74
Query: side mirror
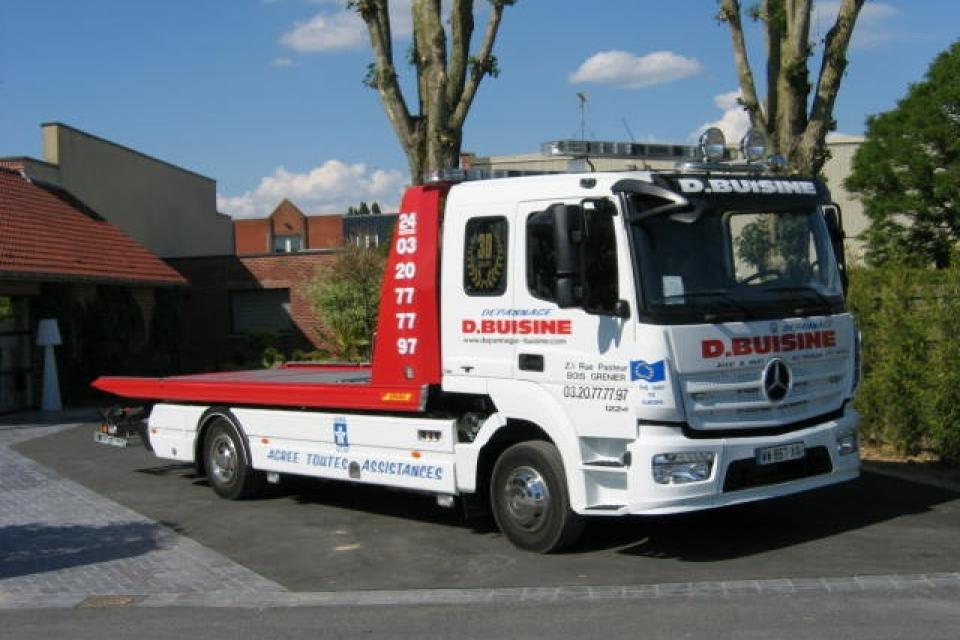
568	235
834	219
831	213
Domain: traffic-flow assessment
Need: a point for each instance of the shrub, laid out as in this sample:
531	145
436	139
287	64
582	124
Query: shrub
943	373
346	297
910	321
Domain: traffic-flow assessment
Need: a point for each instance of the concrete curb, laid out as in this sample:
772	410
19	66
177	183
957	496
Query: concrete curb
414	597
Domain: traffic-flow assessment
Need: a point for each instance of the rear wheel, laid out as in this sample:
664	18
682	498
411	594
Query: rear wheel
530	501
228	469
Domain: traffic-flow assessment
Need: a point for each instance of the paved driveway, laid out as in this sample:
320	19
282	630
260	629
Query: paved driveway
314	536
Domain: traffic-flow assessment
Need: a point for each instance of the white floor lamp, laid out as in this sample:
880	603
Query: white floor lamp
48	337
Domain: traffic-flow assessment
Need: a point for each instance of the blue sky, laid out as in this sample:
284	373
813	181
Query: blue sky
265	95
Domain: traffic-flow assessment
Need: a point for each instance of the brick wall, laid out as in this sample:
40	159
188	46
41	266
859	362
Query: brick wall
287	220
255	237
251	236
14	164
324	232
207	341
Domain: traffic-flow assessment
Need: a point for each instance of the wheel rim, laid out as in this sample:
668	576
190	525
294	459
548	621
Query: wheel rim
223	458
527	498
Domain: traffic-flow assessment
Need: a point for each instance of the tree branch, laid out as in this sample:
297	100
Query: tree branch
774	18
482	66
461	30
730	13
376	15
828	83
793	84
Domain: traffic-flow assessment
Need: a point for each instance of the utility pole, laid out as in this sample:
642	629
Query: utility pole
583	115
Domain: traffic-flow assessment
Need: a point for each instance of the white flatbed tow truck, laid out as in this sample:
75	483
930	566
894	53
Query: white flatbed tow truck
566	346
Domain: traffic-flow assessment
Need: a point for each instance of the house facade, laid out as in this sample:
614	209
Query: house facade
287	230
61	259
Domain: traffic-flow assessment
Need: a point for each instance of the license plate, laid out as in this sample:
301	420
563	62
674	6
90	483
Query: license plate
781	453
106	438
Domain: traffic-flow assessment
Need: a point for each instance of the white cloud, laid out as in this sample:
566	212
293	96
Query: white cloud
329	188
626	70
282	62
872	26
326	32
343	28
734	122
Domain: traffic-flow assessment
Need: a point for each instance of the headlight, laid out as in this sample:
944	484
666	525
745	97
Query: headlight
682	467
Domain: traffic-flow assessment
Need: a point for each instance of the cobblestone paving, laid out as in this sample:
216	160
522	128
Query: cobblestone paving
60	542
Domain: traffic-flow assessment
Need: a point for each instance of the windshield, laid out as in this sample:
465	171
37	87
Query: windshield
730	265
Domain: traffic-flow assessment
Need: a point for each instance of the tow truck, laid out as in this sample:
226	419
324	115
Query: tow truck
566	346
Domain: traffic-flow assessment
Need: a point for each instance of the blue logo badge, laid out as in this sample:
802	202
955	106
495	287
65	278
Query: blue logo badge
340	434
648	371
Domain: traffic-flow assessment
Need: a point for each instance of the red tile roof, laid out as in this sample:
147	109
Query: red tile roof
45	235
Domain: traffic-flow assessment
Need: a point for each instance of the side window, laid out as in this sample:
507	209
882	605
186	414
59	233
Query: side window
598	257
485	257
541	259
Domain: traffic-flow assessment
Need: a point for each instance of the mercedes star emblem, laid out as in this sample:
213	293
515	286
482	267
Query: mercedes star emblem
776	380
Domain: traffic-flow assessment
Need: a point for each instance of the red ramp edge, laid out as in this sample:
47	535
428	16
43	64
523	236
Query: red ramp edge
272	394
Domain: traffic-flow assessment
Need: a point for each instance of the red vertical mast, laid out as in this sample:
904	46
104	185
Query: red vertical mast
407	345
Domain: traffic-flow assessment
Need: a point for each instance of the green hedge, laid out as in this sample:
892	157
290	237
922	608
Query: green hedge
910	393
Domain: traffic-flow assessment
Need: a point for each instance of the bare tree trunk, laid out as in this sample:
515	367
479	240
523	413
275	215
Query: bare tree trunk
416	153
793	131
447	82
793	84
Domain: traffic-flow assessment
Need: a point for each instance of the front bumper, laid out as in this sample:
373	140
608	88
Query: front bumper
642	495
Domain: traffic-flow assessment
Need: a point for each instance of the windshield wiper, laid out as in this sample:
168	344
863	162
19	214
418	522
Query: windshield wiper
719	293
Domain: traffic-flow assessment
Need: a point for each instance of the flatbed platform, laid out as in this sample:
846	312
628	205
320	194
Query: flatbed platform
406	344
304	385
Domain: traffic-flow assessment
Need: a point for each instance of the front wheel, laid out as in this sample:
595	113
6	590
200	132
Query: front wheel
530	501
228	469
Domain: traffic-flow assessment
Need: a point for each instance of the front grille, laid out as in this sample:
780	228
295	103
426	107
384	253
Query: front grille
733	398
747	474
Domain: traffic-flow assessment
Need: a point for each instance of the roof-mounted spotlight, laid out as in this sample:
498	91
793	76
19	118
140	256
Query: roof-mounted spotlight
713	145
754	146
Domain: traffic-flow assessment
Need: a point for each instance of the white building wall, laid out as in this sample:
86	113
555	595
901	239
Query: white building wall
169	210
838	167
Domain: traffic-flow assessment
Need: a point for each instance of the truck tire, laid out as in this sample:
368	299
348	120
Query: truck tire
528	493
228	469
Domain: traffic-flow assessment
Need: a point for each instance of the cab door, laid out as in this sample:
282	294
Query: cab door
477	292
581	355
